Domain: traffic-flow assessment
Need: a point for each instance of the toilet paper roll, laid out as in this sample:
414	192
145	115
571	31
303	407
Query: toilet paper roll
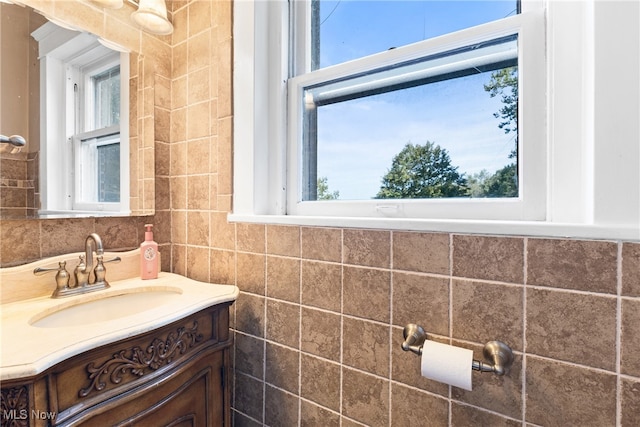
447	364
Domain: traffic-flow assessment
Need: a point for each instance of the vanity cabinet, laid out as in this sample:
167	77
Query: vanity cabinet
175	375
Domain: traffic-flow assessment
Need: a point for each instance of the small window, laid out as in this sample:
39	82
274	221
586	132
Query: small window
84	161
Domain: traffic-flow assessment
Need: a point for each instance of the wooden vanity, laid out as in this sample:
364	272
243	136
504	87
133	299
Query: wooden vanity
166	366
172	376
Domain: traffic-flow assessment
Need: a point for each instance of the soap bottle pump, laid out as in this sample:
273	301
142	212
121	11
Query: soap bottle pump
148	255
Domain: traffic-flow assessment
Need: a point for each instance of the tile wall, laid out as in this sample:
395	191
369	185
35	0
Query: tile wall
318	324
319	327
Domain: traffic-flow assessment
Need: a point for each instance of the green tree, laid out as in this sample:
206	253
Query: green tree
323	190
503	183
422	171
477	183
504	83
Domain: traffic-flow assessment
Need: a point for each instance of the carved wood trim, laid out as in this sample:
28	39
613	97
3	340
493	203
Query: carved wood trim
158	353
15	407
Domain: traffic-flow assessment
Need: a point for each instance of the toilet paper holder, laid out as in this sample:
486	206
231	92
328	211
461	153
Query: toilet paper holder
497	352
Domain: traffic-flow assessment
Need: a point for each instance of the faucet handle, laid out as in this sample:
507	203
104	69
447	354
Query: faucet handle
62	276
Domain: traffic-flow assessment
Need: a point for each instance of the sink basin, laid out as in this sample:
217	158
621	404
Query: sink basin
106	307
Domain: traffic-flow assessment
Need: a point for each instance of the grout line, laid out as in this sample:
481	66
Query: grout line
619	336
341	395
300	337
449	391
525	280
390	329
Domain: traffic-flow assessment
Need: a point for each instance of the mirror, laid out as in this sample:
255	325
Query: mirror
26	189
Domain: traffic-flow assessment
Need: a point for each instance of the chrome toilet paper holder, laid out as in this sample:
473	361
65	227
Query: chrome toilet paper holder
499	353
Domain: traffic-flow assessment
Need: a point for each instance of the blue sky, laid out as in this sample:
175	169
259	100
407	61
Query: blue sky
358	139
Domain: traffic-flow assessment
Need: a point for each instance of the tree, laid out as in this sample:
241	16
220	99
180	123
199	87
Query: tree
422	171
323	190
503	183
504	82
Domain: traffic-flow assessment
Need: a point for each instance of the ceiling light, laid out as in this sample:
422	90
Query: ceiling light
151	16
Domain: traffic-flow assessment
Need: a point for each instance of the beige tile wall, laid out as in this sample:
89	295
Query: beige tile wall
318	324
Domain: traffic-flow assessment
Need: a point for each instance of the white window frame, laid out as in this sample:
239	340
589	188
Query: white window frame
59	83
530	205
591	137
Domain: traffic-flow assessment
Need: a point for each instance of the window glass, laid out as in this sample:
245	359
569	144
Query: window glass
345	30
106	88
109	172
99	163
438	127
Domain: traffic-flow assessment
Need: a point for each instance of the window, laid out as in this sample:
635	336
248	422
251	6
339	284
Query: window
575	152
382	132
97	145
84	150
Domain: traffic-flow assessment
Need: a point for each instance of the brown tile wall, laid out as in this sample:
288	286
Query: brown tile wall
324	327
318	324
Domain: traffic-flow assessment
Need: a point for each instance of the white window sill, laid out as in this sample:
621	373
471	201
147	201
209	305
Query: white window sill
524	228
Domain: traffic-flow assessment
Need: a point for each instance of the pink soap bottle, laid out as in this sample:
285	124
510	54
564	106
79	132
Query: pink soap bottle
148	255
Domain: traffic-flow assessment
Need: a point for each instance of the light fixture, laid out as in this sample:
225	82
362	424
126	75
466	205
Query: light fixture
151	16
111	4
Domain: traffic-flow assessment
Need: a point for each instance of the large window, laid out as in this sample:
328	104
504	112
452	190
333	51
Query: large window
394	104
528	109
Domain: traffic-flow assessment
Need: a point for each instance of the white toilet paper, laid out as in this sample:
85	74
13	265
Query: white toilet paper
447	364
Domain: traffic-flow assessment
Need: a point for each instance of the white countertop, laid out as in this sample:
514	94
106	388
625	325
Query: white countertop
28	350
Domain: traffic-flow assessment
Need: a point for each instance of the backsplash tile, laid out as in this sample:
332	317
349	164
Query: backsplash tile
281	408
375	284
366	346
556	327
421	252
410	407
483	312
322	285
283	278
282	367
631	269
320	381
463	415
630	403
365	398
630	352
321	333
490	258
369	248
564	395
284	323
283	240
323	244
573	264
423	300
314	415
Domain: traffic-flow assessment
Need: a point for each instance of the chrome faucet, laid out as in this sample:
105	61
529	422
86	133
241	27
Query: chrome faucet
83	271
